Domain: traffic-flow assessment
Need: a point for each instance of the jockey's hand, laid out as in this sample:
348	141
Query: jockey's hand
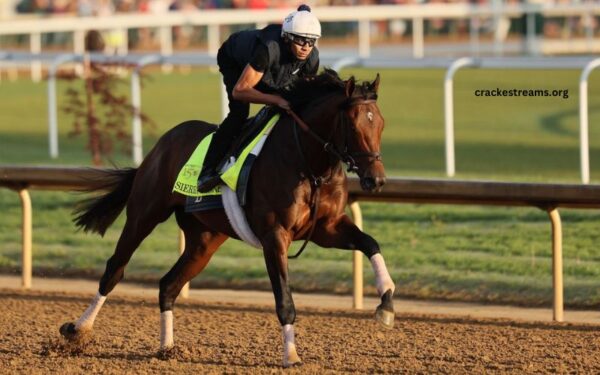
284	104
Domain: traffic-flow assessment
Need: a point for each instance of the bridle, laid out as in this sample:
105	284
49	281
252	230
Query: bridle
345	156
348	158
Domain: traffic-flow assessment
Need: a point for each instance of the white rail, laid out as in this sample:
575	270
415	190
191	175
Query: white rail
52	107
136	102
452	66
586	64
584	147
449	111
363	15
139	62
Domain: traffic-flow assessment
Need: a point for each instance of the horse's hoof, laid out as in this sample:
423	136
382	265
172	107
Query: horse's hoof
68	331
385	311
291	359
385	318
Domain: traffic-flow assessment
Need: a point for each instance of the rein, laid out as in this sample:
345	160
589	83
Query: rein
329	147
346	157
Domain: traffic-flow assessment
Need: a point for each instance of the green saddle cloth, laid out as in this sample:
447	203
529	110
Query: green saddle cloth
187	179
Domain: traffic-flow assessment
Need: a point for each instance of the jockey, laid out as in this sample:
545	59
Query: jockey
257	65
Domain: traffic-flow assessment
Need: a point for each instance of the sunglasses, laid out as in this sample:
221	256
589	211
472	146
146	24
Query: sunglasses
302	41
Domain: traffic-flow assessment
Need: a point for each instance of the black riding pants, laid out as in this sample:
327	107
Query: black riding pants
231	126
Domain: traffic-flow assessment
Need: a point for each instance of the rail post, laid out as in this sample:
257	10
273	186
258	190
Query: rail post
166	46
364	38
449	111
418	39
136	102
26	255
557	276
584	147
52	110
357	260
35	47
214	39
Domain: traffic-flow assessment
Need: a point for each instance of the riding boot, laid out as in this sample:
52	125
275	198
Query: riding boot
228	130
209	175
208	180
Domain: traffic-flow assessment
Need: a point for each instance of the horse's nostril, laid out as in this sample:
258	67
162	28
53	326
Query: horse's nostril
367	183
380	181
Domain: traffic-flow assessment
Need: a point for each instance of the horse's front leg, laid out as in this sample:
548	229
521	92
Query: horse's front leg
342	233
275	245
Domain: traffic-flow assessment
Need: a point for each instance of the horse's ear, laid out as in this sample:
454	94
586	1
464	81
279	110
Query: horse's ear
375	84
350	85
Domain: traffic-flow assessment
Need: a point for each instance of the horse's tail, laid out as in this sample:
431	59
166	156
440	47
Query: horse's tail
98	213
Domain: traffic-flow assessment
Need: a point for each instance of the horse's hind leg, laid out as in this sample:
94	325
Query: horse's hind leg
137	227
200	245
343	234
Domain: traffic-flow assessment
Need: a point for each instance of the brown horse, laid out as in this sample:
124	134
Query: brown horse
345	123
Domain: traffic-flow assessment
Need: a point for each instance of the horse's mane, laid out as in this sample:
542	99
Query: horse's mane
307	89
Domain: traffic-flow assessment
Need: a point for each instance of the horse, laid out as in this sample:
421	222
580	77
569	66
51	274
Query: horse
337	121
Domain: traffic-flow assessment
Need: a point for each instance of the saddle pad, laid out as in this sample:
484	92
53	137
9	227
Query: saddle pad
236	174
231	176
187	179
205	203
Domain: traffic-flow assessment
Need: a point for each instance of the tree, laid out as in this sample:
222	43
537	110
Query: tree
99	108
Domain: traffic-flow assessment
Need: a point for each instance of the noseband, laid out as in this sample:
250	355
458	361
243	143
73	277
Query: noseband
348	158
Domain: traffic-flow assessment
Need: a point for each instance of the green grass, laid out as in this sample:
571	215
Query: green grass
490	254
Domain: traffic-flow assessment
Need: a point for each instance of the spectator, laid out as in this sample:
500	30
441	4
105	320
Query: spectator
104	8
63	7
85	8
42	7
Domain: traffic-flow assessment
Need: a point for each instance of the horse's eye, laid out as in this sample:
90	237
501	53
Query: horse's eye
370	116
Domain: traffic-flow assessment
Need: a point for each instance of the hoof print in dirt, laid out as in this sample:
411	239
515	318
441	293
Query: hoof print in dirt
59	348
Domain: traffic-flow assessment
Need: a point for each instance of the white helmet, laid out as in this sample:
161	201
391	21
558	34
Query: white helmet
303	23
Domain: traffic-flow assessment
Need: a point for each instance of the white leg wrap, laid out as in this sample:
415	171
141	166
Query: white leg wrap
290	356
86	321
166	329
383	280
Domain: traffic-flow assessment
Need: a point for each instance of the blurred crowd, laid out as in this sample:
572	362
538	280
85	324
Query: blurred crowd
86	8
109	7
561	27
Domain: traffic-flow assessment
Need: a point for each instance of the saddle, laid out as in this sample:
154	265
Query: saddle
251	128
235	170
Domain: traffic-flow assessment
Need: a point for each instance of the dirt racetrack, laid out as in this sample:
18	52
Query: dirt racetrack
227	338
